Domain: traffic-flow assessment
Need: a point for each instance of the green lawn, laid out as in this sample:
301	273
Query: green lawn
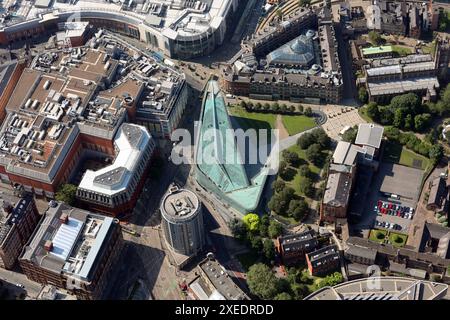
377	235
402	51
397	239
362	113
296	124
395	152
255	120
248	259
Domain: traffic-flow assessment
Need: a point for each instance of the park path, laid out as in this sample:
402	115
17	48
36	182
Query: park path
280	126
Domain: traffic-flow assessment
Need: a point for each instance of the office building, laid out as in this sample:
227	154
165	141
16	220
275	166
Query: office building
75	250
182	221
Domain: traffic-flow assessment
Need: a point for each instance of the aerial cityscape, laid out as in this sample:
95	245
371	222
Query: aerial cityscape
251	150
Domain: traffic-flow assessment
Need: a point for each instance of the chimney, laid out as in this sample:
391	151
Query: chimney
48	246
64	218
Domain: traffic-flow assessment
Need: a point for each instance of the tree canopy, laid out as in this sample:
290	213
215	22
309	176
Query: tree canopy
251	222
262	282
66	193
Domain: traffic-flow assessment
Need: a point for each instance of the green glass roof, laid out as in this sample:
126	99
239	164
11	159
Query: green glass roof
376	50
219	163
217	154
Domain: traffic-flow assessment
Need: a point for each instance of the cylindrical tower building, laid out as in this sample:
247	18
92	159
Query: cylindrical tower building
182	220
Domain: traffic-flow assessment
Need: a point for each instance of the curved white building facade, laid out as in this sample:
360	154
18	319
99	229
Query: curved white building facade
179	28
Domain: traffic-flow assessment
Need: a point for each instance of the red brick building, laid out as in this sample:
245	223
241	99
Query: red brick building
17	223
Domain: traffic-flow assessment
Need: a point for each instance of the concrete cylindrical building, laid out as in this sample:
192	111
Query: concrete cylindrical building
182	220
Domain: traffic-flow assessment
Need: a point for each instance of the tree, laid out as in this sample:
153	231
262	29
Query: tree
298	209
256	243
321	137
304	171
372	111
375	38
266	106
278	185
291	157
283	296
436	153
386	115
299	290
314	153
362	95
300	108
409	123
237	229
410	102
399	116
66	193
251	222
243	104
268	249
275	229
305	140
350	135
422	121
308	112
331	280
280	201
392	133
262	282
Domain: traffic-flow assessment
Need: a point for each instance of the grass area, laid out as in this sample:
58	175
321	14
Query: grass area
397	239
296	124
362	113
248	259
255	120
396	153
377	235
401	51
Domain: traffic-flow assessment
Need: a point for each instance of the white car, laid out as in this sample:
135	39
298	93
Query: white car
20	285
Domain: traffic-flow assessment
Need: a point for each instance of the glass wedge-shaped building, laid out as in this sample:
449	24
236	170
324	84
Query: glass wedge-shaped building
222	165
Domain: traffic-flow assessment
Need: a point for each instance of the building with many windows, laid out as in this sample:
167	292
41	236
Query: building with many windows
297	60
179	29
115	188
73	249
18	218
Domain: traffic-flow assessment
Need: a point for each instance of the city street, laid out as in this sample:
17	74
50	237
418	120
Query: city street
31	289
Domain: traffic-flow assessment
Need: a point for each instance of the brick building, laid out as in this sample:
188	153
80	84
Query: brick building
292	248
323	261
73	249
18	219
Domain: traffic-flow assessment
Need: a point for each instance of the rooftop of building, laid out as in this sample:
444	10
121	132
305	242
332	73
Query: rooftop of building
227	168
68	240
376	50
345	153
388	288
174	19
310	59
12	210
85	89
306	239
131	142
298	52
369	134
180	204
221	280
337	190
323	255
